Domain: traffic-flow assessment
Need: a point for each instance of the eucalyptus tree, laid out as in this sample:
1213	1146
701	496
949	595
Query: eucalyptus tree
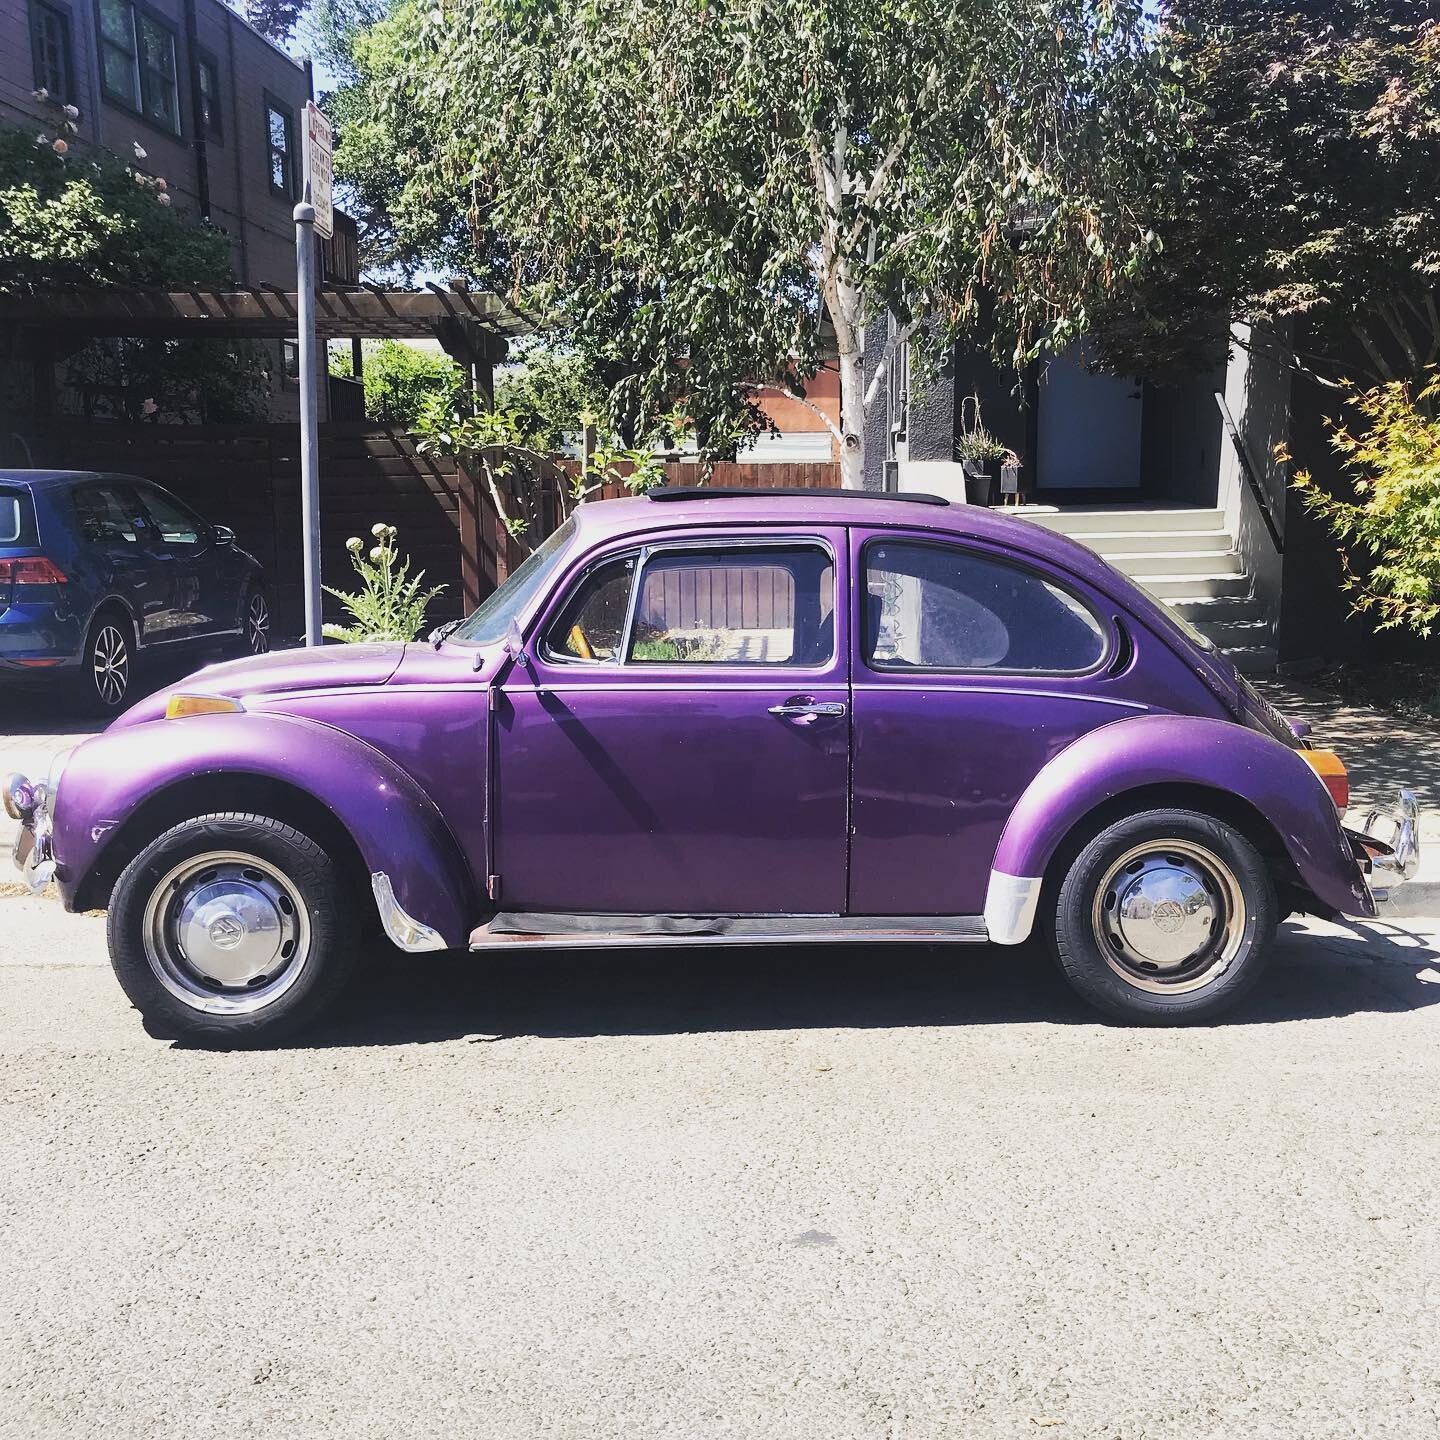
705	193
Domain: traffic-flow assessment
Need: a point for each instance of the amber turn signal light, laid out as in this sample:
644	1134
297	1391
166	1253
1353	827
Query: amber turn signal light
1331	770
178	706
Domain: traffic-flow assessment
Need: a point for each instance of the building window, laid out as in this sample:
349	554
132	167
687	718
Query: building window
207	87
280	133
50	47
137	63
290	362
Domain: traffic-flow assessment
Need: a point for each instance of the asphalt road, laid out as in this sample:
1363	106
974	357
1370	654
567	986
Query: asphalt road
777	1194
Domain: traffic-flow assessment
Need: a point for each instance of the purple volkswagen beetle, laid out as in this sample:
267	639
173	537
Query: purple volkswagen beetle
711	717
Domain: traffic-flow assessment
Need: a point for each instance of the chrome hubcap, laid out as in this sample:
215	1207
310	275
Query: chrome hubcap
257	625
226	933
1169	916
112	665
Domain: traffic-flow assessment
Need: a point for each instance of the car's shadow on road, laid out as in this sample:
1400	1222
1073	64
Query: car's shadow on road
407	1000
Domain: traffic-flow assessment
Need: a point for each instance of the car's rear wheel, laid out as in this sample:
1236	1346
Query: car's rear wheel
1165	917
232	928
107	665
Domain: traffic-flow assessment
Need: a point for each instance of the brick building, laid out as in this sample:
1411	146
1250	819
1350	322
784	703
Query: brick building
214	106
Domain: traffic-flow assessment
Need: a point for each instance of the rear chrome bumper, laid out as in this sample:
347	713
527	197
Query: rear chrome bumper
1388	845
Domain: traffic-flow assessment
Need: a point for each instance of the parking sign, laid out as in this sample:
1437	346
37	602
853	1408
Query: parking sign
318	138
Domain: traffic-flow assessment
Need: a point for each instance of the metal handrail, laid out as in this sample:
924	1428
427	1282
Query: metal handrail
1248	471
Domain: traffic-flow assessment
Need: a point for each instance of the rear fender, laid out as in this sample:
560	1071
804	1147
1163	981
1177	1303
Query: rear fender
394	824
1157	750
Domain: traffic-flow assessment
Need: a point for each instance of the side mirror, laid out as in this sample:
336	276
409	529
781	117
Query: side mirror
224	535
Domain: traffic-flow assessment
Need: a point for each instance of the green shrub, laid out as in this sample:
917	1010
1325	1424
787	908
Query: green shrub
78	220
400	380
1389	533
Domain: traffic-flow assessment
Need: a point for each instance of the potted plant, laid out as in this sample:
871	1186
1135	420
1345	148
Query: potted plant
979	452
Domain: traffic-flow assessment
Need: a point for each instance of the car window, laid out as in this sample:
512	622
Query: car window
591	624
937	607
177	525
750	605
17	517
488	624
106	514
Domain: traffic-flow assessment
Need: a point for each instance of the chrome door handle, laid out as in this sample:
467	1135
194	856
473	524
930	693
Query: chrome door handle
805	711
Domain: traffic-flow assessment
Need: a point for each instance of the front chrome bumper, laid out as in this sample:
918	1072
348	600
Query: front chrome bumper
1389	843
33	853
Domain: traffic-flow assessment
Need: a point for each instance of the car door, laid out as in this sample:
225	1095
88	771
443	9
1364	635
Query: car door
678	742
111	527
973	669
186	545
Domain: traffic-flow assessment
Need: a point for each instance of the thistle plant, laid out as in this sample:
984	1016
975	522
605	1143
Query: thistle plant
390	605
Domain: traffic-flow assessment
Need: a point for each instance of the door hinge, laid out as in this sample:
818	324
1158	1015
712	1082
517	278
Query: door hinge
492	886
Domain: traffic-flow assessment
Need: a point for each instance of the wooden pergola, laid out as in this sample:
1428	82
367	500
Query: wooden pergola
473	327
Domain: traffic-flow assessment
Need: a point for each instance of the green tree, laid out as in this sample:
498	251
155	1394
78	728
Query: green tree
692	191
73	221
550	391
400	379
1306	194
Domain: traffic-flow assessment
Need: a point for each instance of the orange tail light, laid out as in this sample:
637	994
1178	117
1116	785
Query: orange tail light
1331	770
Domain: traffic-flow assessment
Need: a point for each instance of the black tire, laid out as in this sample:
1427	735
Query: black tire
255	621
106	682
1150	887
244	864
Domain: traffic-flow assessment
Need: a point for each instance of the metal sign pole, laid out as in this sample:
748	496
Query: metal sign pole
309	407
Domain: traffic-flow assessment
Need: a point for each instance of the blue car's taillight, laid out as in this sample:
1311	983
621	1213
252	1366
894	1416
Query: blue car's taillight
30	570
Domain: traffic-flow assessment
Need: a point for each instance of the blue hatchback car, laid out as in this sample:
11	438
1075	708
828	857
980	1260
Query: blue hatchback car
97	571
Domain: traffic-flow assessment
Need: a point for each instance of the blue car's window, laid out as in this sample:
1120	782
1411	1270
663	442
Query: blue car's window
106	515
935	607
177	526
17	522
488	625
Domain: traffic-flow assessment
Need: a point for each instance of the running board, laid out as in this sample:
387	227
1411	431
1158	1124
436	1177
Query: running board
584	932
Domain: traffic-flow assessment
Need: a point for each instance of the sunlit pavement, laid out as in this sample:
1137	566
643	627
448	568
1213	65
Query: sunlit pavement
810	1195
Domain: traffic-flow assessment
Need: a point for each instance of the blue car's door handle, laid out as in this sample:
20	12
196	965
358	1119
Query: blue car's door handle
805	711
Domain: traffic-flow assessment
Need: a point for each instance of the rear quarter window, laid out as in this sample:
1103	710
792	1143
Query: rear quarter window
931	606
17	517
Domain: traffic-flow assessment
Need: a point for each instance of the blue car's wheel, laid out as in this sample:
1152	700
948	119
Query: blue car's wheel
107	665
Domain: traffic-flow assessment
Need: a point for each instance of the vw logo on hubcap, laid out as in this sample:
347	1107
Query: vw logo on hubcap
226	932
1168	916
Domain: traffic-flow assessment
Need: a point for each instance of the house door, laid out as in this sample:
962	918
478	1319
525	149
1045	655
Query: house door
1089	427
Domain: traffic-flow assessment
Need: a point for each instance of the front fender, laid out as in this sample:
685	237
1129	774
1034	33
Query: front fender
394	823
1151	750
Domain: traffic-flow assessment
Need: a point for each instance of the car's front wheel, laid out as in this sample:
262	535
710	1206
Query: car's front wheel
232	928
255	622
1165	917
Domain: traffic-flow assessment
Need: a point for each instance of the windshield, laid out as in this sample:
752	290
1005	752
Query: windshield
489	624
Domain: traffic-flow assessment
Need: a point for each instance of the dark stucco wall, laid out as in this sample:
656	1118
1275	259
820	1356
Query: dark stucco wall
877	347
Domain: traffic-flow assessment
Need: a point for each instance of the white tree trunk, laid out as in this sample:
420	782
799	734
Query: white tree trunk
852	419
844	302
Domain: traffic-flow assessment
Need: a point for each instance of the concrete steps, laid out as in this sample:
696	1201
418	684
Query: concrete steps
1187	560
